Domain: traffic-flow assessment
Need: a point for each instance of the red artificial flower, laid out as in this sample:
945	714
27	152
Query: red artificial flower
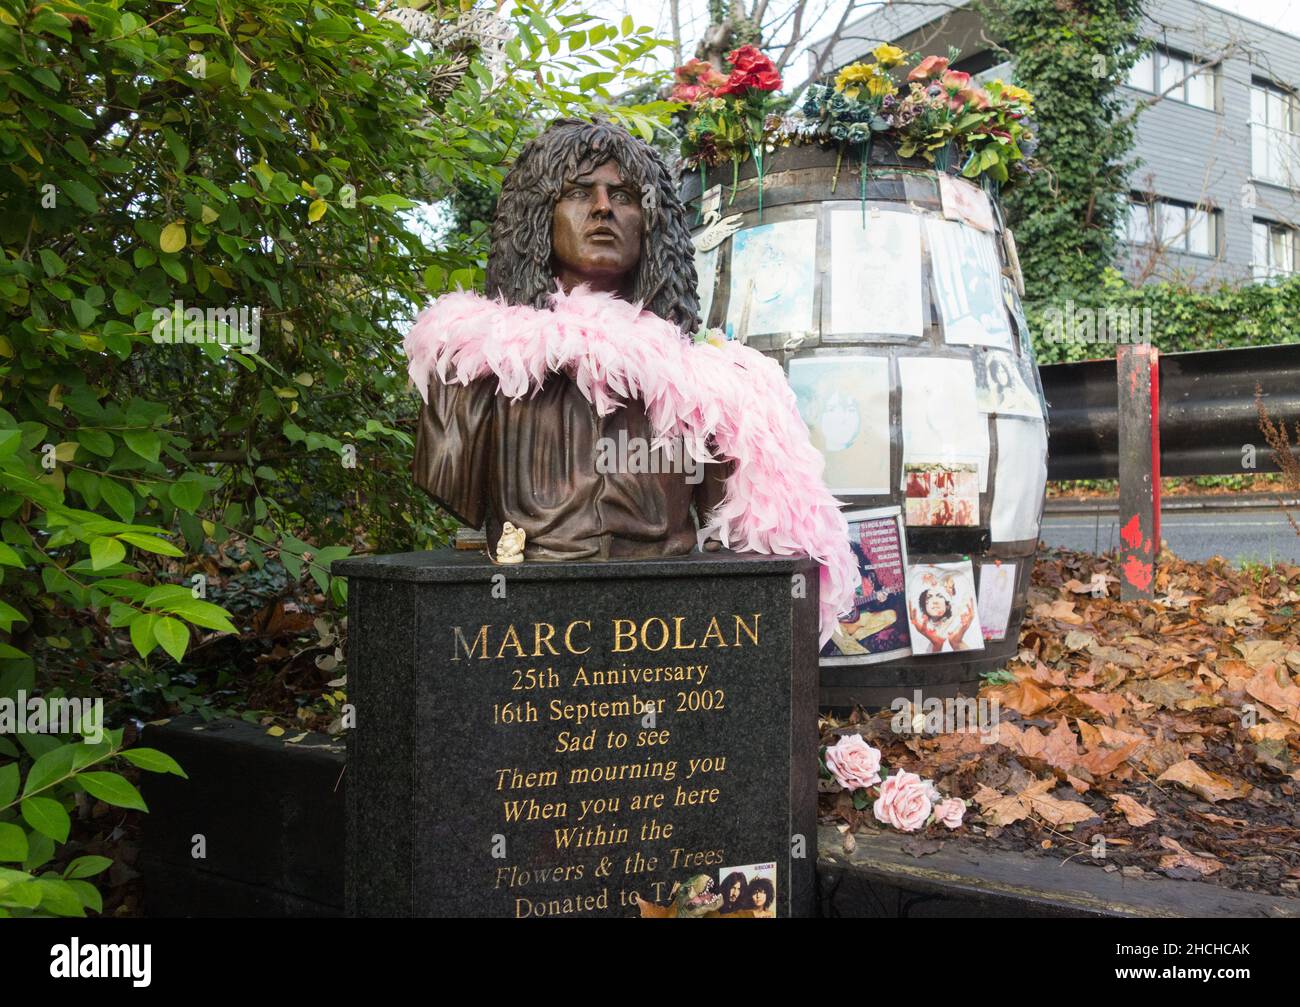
748	59
931	66
750	70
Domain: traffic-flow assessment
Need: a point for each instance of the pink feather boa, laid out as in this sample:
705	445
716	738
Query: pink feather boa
775	500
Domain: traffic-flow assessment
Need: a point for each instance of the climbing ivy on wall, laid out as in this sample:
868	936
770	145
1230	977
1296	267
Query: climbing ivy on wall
1071	55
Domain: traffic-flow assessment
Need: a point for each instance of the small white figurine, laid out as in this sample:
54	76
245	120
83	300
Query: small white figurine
510	547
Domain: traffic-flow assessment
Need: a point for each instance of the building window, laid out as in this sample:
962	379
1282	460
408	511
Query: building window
1275	250
1173	226
1274	143
1143	75
1171	75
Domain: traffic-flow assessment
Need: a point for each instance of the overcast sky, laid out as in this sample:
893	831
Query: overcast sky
824	14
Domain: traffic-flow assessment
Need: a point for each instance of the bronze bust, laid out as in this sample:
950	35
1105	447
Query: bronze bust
586	203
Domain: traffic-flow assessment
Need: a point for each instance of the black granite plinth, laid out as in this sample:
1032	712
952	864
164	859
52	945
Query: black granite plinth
550	739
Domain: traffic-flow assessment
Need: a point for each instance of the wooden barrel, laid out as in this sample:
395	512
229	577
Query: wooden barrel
892	301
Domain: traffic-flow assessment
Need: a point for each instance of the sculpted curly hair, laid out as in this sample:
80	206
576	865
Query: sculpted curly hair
519	263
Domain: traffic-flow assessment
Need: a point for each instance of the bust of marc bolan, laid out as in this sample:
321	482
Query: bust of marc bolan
586	205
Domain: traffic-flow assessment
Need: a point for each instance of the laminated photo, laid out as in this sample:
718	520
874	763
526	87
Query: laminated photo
941	420
968	284
1021	479
772	279
876	628
1002	385
942	493
967	202
845	403
750	890
996	590
875	281
942	609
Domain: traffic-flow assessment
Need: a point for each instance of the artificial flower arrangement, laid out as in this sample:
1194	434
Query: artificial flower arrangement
729	112
930	110
903	800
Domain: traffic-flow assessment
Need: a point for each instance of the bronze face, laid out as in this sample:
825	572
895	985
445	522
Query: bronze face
596	231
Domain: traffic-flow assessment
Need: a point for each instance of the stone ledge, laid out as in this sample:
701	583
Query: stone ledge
880	879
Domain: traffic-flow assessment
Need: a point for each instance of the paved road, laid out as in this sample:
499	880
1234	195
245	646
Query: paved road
1257	536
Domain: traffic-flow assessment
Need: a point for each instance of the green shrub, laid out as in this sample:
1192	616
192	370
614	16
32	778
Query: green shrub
34	817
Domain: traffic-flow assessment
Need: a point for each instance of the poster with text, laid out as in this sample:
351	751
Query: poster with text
750	889
772	279
942	494
876	629
875	273
968	284
1004	385
941	608
844	401
940	417
1020	481
997	588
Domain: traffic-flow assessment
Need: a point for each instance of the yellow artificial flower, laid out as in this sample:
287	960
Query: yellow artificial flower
880	86
855	73
852	77
888	55
1017	94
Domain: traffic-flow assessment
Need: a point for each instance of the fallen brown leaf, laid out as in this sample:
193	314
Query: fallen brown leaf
1210	786
1181	858
1282	696
1134	812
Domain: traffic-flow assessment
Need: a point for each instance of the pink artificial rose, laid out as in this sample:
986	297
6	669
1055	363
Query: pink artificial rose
853	762
904	802
950	812
931	66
